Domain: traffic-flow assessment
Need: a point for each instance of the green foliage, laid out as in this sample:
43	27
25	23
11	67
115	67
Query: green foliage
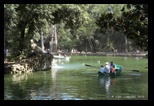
29	18
77	26
133	23
70	15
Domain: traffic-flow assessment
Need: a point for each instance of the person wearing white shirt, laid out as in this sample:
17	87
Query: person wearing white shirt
107	67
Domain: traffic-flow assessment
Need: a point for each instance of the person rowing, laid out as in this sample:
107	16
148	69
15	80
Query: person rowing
113	70
102	69
111	65
105	69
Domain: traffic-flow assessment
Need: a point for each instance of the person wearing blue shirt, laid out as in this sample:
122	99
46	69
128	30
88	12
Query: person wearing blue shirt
102	69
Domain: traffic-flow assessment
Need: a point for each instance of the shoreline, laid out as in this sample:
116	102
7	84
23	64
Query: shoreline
112	54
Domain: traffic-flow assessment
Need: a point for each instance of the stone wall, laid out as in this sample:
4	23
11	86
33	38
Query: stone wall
36	62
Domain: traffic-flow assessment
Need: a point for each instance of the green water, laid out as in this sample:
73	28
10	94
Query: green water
72	80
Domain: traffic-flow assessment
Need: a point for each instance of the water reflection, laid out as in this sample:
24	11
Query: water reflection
113	81
17	78
55	68
107	81
17	90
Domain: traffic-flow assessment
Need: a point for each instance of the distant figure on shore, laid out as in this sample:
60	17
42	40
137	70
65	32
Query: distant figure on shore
5	52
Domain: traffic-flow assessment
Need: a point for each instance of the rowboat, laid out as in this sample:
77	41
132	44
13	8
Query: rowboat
58	57
61	57
118	71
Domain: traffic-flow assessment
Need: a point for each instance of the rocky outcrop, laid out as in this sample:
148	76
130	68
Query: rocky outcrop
36	62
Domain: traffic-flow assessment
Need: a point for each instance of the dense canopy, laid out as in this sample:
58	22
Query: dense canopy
84	27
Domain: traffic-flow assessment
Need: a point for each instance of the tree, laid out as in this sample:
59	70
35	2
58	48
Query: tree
71	17
29	19
133	22
75	24
10	16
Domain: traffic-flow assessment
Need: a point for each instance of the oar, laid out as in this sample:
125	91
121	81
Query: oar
136	70
89	65
133	70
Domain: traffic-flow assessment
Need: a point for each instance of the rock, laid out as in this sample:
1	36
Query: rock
38	62
35	61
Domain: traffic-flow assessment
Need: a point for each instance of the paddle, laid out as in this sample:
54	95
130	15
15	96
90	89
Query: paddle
136	70
89	65
133	70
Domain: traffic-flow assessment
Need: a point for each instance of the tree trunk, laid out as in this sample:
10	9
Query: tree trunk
53	41
21	45
86	47
126	43
22	40
41	39
4	36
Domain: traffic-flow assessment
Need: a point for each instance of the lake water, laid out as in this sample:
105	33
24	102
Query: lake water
72	80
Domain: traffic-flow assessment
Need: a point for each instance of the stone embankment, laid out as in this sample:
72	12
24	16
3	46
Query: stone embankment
37	62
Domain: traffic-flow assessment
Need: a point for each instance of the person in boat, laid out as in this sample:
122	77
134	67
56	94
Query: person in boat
113	70
111	65
101	69
107	68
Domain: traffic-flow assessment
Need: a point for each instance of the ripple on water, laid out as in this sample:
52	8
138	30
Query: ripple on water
136	74
40	97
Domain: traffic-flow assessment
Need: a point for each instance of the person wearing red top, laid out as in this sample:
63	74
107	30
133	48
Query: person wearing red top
113	70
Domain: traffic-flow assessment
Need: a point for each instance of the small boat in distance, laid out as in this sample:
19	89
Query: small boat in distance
118	71
61	57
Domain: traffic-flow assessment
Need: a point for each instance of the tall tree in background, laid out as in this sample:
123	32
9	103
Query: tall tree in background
133	23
